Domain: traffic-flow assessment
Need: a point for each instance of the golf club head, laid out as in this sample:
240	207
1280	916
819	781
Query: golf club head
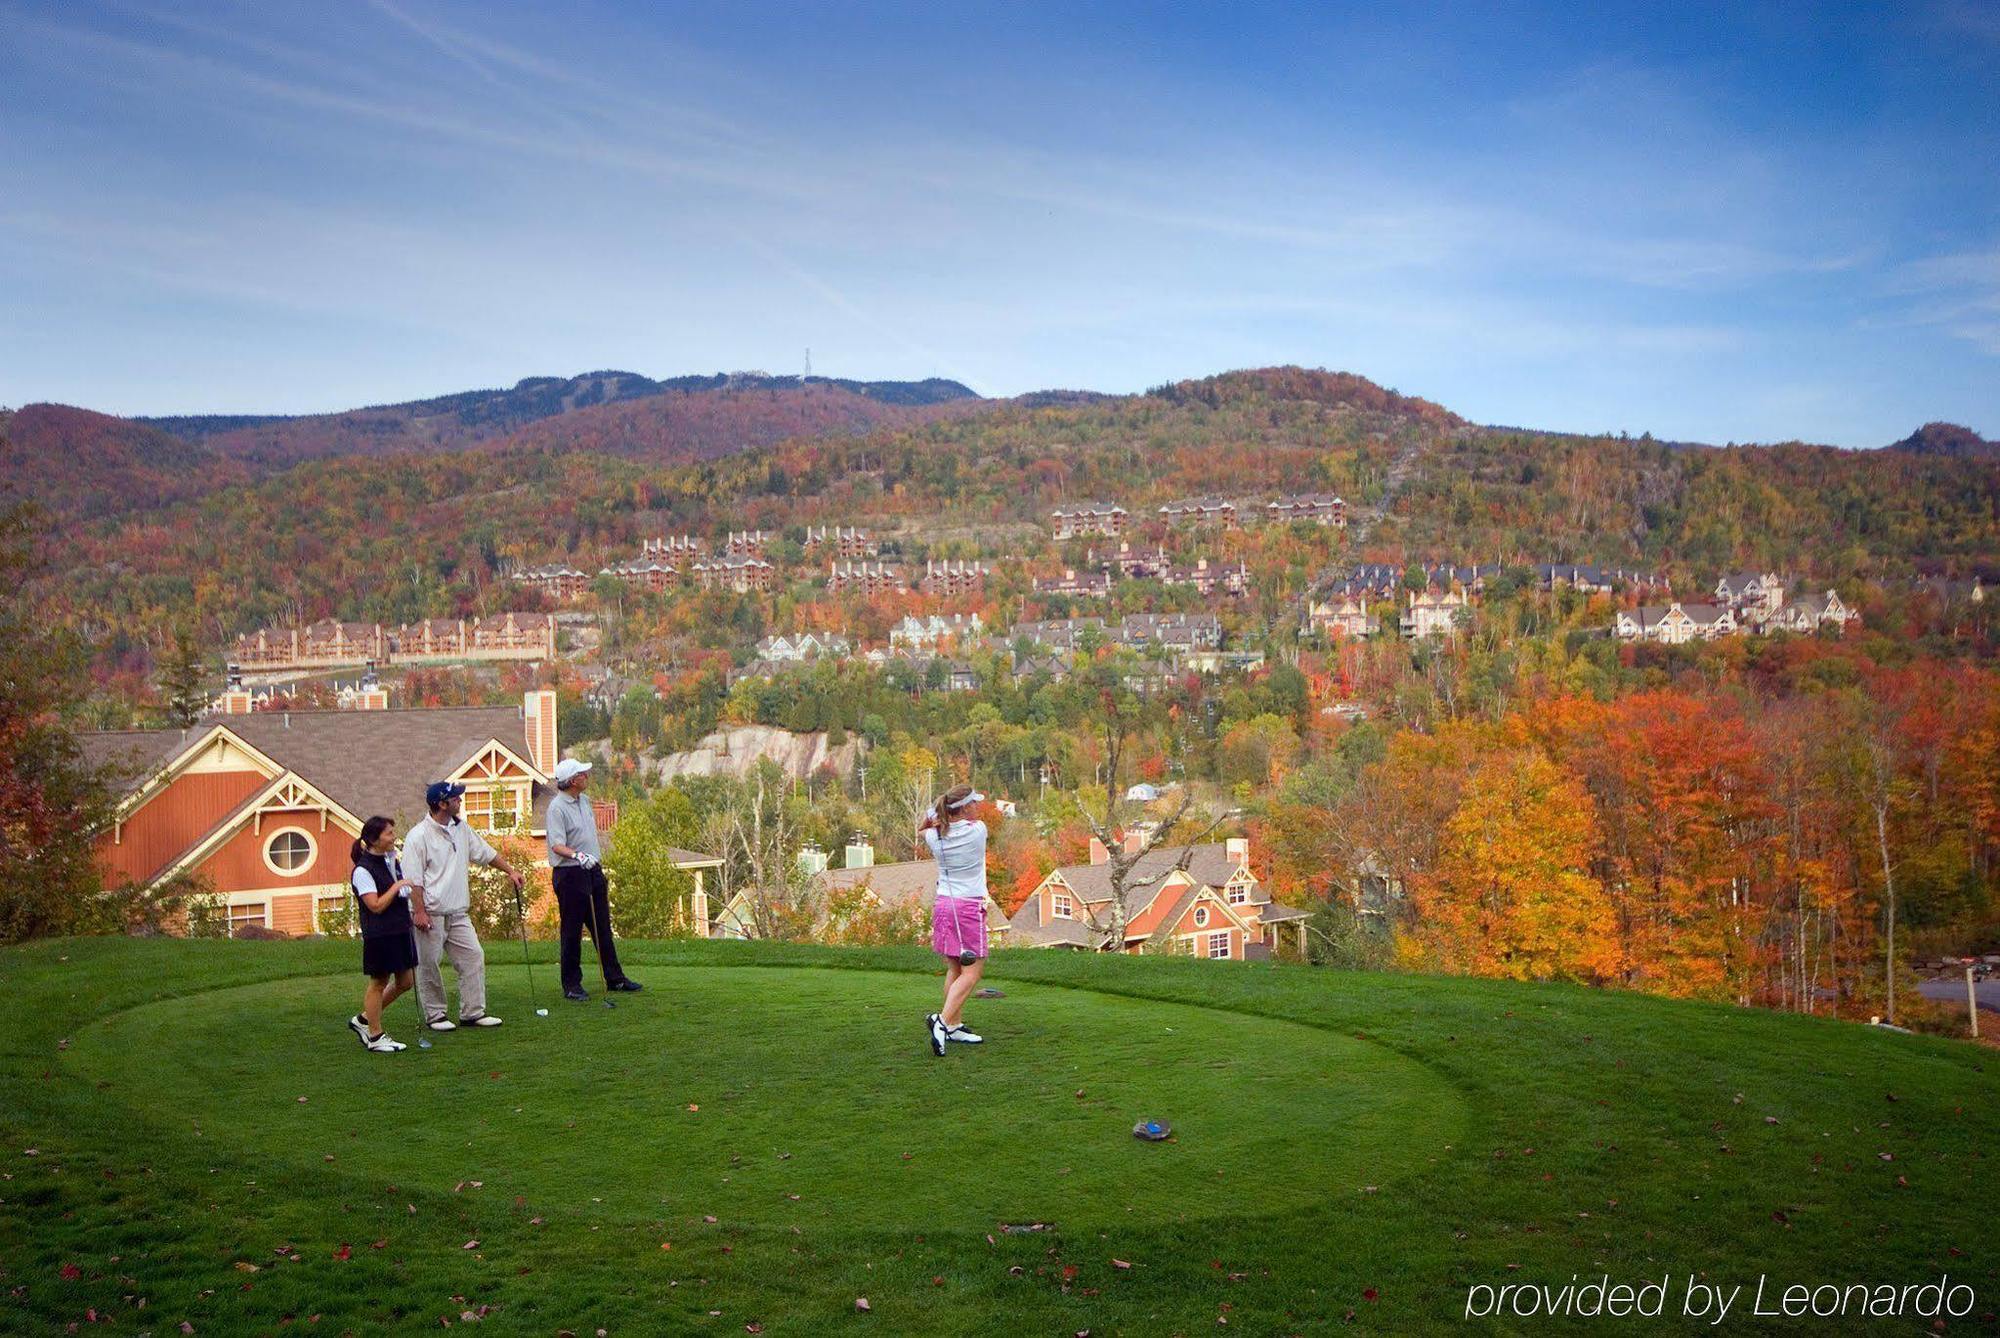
423	1044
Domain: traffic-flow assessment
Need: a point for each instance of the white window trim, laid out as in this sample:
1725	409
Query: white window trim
237	902
1201	917
1062	906
338	894
1225	954
305	866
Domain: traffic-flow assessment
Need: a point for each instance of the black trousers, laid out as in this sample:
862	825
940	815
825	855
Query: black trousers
583	902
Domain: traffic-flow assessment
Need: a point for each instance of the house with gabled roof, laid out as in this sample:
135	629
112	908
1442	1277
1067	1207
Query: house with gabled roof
1322	508
906	885
1674	624
1201	900
263	806
1200	511
1343	610
1811	613
1753	596
1076	520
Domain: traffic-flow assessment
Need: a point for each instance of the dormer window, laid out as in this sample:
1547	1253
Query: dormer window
1061	907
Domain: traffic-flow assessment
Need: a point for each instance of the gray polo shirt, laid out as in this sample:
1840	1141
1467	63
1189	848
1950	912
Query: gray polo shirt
573	824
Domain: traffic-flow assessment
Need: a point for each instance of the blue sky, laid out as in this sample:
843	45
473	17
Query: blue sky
1725	222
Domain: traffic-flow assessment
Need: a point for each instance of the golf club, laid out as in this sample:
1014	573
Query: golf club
597	942
521	912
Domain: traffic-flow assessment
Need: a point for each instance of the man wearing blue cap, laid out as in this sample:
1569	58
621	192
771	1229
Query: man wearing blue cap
436	856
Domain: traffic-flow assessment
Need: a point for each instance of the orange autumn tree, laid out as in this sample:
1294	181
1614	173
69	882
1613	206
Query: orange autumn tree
1685	817
1511	893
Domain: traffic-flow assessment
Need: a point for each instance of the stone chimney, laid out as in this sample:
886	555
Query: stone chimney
236	699
371	695
538	715
1133	841
860	853
1098	854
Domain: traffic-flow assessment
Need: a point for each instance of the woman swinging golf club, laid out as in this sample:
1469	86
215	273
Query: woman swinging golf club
958	917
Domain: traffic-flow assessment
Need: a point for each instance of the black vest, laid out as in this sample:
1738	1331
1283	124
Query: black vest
395	918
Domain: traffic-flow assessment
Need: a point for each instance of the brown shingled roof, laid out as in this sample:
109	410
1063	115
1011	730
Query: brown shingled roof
1207	863
368	762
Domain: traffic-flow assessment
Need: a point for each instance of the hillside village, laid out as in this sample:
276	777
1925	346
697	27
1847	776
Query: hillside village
1284	614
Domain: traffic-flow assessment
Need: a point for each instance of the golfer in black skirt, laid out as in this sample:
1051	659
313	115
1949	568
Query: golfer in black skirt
388	949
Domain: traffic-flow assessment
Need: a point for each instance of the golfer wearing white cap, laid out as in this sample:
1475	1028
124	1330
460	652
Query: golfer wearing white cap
582	894
958	915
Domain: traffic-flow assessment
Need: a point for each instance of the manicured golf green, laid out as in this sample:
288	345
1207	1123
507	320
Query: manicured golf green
763	1136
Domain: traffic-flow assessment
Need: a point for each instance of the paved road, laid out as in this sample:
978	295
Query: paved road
1952	991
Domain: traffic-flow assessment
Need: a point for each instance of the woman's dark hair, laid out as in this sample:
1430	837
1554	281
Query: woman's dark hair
371	831
955	795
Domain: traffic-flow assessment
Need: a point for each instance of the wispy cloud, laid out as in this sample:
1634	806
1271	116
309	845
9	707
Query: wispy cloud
1958	293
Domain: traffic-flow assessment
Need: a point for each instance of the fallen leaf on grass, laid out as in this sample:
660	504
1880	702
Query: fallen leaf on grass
1368	1294
534	1221
186	1327
693	1106
861	1304
708	1219
1120	1263
70	1272
245	1266
344	1252
470	1245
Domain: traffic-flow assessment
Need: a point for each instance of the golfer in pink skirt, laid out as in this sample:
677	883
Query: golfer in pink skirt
958	918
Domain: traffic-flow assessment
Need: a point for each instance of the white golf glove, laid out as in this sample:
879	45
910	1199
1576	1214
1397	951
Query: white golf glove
586	859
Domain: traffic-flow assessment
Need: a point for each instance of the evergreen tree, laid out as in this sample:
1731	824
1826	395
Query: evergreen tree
183	680
52	801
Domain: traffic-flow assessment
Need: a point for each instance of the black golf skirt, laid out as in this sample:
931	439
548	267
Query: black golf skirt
388	954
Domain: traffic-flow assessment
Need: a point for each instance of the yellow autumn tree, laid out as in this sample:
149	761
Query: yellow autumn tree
1511	893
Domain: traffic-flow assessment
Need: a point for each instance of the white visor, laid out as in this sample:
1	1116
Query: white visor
974	798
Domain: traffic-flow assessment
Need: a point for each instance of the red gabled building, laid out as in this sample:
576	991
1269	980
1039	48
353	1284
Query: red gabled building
263	807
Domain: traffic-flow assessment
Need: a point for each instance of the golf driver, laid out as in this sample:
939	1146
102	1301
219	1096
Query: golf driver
521	912
597	945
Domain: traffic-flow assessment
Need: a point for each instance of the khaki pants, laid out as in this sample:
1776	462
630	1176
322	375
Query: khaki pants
450	936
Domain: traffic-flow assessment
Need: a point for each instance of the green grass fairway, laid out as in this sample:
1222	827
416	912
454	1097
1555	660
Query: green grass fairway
763	1136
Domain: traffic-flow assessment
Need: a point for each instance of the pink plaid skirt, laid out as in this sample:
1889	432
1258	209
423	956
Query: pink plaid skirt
958	924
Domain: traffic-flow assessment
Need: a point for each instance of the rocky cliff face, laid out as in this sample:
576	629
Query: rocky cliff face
735	751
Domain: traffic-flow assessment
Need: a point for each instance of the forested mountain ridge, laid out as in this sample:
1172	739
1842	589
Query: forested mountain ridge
82	466
414	534
476	417
1948	439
